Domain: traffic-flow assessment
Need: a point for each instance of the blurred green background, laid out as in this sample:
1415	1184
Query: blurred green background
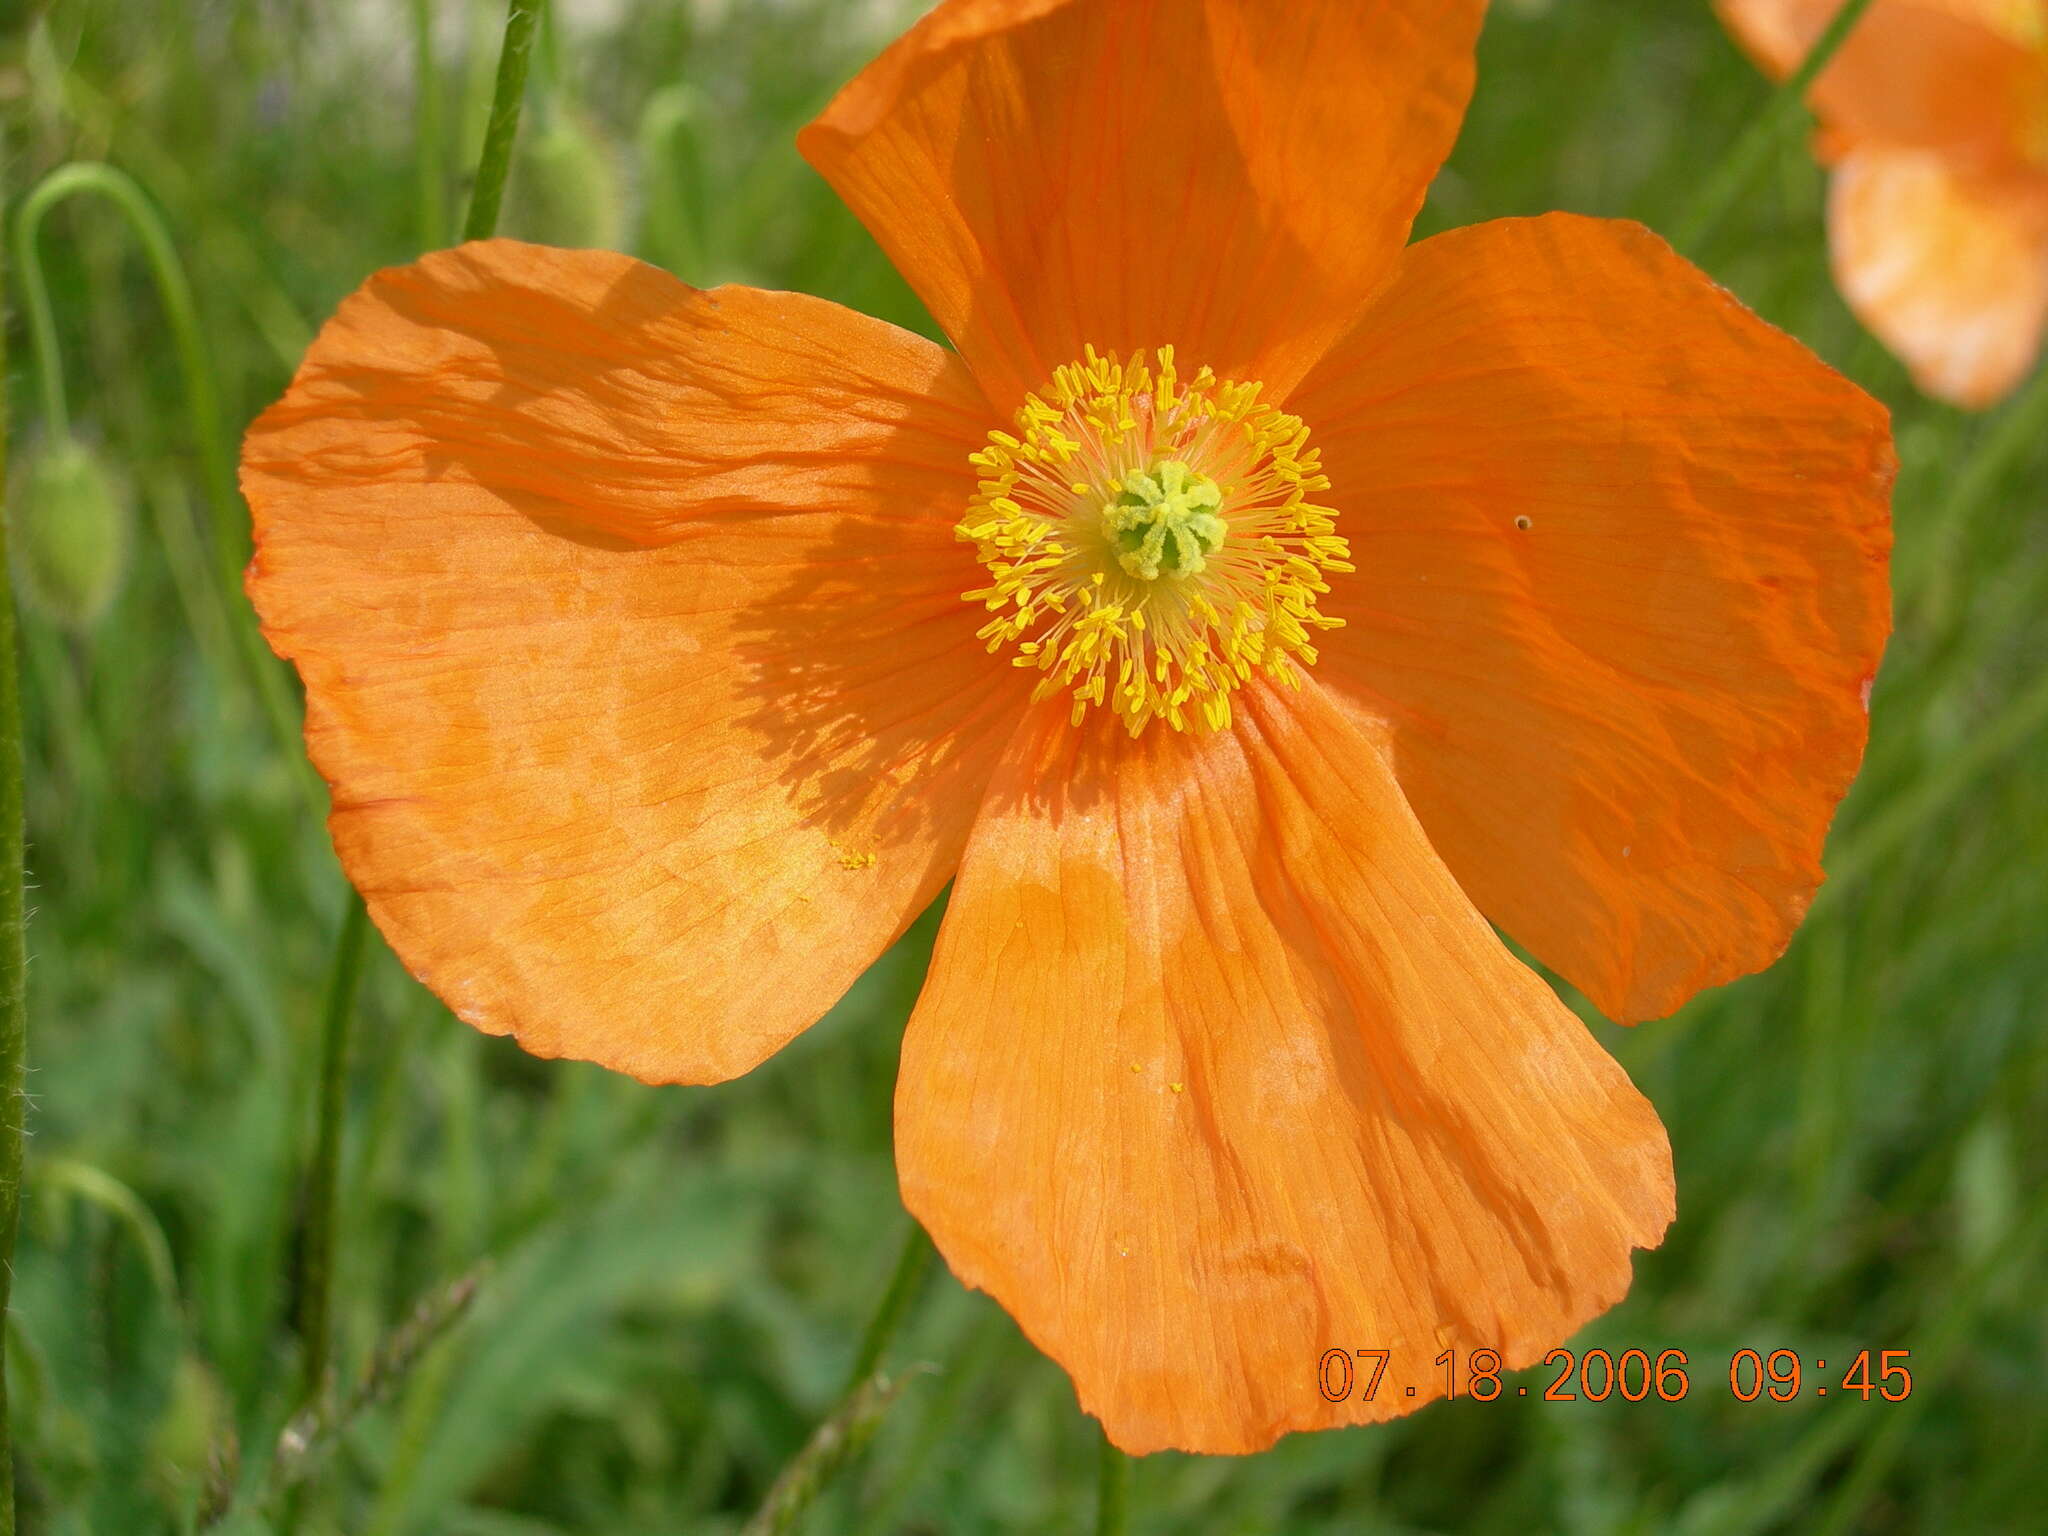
678	1277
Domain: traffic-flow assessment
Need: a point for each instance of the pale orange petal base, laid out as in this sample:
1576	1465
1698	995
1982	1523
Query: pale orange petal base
1949	270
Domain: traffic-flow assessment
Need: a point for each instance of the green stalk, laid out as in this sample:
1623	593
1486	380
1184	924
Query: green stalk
2021	426
427	189
323	1180
1112	1491
832	1447
13	949
1869	844
904	1284
324	1177
1738	168
522	21
859	1410
202	400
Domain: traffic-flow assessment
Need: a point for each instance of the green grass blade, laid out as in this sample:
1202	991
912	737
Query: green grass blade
1738	168
13	948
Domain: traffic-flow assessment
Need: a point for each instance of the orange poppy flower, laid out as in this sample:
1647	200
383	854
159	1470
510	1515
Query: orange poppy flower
1935	118
1246	607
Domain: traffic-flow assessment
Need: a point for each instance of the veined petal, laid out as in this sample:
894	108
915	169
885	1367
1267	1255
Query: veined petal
1217	1069
1950	270
1233	178
630	623
1621	593
1962	76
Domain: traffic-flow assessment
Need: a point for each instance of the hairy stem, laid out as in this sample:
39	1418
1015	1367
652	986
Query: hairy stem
522	21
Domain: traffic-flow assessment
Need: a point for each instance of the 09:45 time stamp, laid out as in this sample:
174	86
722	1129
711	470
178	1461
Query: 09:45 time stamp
1635	1376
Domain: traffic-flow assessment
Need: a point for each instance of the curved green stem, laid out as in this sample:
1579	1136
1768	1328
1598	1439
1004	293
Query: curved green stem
1112	1491
42	323
1740	165
202	400
13	950
522	21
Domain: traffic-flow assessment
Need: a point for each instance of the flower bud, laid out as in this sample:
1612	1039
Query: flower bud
68	518
674	211
566	186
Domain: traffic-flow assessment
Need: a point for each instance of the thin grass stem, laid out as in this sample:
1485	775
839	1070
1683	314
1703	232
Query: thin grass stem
2021	426
522	21
1929	1363
904	1283
428	190
202	403
1750	153
316	1319
313	1431
833	1445
860	1407
13	946
1907	813
316	1306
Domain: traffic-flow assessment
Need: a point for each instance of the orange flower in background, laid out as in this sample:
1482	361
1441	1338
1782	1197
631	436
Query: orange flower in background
1935	119
1246	607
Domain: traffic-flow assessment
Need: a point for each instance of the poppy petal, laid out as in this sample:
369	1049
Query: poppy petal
1231	177
1947	74
1217	1069
630	623
1621	593
1949	271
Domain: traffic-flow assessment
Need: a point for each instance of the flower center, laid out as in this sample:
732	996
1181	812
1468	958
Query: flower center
1152	542
1165	520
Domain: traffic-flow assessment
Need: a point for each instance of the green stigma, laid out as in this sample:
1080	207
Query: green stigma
1165	519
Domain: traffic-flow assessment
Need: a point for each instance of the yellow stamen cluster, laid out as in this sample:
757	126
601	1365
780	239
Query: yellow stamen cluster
1153	543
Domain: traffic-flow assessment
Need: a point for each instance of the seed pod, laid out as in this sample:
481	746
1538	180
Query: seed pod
68	516
566	186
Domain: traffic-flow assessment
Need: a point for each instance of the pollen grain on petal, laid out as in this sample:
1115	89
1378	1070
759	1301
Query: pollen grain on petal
1154	543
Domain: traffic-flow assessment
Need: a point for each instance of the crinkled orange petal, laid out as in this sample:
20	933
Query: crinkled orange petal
1621	593
630	623
1217	1069
1957	75
1949	270
1231	177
